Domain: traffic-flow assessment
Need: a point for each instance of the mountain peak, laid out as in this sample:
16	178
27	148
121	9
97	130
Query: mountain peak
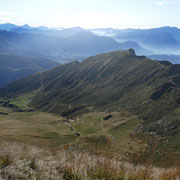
26	26
131	52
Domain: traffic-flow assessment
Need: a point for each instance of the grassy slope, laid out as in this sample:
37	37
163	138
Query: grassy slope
113	138
49	130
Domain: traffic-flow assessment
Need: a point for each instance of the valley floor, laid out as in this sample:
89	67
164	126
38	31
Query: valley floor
89	130
38	145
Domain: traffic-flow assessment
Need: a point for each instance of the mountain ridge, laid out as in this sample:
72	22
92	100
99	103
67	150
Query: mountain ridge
111	81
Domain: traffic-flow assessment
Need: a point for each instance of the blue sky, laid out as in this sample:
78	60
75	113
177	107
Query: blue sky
91	13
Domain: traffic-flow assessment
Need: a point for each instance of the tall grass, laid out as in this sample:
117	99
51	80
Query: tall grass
19	161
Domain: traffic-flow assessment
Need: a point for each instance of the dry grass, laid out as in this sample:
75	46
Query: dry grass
19	161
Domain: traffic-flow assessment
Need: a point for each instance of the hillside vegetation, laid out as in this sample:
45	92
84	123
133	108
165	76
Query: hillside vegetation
114	80
142	95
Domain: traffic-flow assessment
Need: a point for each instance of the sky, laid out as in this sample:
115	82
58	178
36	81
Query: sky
91	13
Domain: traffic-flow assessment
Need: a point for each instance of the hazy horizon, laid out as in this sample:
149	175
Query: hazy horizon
141	14
41	25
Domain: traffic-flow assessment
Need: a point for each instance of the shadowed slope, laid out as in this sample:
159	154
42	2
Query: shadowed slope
13	67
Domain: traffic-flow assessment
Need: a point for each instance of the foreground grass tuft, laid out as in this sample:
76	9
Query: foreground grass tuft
5	161
32	164
68	174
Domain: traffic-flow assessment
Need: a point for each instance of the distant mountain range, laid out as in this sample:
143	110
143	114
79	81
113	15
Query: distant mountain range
65	45
10	27
51	32
13	67
78	46
108	82
160	40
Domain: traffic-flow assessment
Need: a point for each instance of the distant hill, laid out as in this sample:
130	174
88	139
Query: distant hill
175	59
76	47
134	45
68	32
44	28
13	67
108	82
26	26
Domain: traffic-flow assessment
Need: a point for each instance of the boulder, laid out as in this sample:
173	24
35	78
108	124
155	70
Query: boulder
108	117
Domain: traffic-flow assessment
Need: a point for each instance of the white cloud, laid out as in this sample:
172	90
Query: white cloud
160	4
6	13
4	20
20	20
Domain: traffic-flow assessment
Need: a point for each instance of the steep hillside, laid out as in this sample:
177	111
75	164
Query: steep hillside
13	67
112	81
